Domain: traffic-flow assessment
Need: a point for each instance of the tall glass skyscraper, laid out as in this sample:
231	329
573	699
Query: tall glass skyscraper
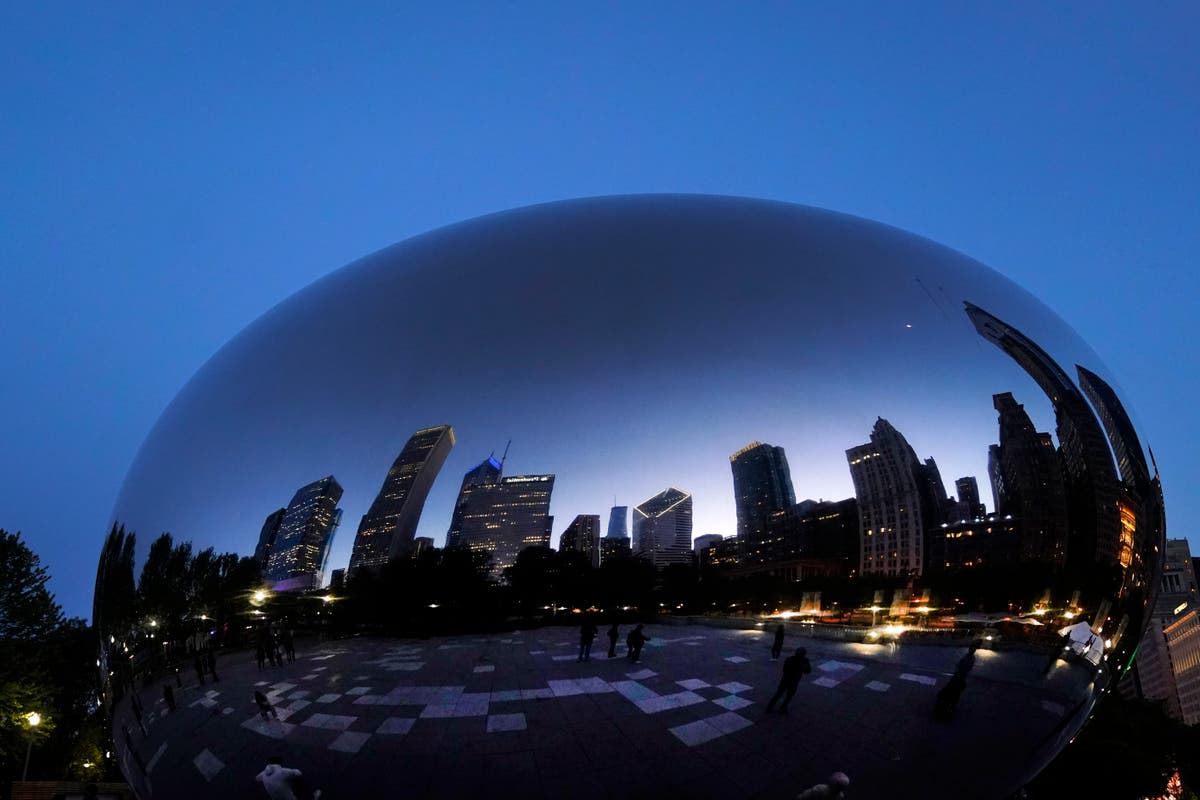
762	486
485	473
387	529
582	536
301	546
662	528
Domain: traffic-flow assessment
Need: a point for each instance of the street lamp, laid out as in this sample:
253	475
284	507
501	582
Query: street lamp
34	719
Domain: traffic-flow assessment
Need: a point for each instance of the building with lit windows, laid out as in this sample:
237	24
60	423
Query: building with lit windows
501	519
387	529
889	484
762	486
1167	666
582	536
485	473
662	528
301	550
266	538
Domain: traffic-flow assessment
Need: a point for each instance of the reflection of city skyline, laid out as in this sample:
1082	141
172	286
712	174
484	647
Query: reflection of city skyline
1052	505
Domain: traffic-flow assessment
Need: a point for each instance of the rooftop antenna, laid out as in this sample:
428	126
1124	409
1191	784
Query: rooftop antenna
504	457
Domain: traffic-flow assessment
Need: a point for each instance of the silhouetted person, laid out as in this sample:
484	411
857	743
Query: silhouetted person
613	635
289	645
835	787
587	634
169	696
795	667
211	657
277	642
260	654
634	642
264	705
178	677
951	693
777	645
199	665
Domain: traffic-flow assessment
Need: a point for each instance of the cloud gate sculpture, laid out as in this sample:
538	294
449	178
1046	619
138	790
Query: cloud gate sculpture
367	547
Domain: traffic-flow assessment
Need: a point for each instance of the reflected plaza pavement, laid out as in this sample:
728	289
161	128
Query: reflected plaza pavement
516	714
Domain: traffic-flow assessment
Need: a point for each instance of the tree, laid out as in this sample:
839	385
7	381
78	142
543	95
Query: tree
29	622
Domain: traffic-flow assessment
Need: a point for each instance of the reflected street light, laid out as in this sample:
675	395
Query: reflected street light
34	719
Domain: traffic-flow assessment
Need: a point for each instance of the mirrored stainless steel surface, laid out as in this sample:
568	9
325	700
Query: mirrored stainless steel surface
368	536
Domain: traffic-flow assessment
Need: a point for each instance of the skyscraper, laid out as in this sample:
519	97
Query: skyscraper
388	527
301	548
968	506
662	528
888	484
1167	667
485	473
266	538
618	526
504	517
762	485
1090	476
582	536
1027	483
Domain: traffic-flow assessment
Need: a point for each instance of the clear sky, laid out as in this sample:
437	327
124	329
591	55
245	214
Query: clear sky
171	173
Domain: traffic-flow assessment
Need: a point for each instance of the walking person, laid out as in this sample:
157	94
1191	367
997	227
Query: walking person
587	634
212	663
777	645
169	696
795	667
264	705
948	696
199	665
634	642
260	654
289	644
613	635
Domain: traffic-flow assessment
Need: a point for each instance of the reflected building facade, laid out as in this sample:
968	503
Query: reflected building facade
762	486
266	538
502	518
485	473
662	528
1089	477
301	549
582	536
893	490
387	529
1027	483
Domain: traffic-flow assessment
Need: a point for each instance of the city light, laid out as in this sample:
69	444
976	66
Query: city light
259	596
34	719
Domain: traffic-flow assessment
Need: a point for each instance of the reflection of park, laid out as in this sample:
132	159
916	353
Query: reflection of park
516	712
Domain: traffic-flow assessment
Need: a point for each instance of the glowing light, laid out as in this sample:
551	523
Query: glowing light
259	596
34	719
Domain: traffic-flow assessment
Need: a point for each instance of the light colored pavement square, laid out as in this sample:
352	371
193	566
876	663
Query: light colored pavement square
272	728
537	694
878	686
641	674
327	698
282	687
827	683
396	725
506	696
309	676
297	705
594	685
497	723
732	702
331	722
485	668
736	659
359	690
693	684
349	742
729	722
696	733
632	690
298	695
922	679
565	688
208	764
653	705
733	687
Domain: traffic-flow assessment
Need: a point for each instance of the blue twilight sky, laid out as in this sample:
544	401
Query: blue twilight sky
171	173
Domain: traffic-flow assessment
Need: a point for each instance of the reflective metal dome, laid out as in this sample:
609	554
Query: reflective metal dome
370	535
